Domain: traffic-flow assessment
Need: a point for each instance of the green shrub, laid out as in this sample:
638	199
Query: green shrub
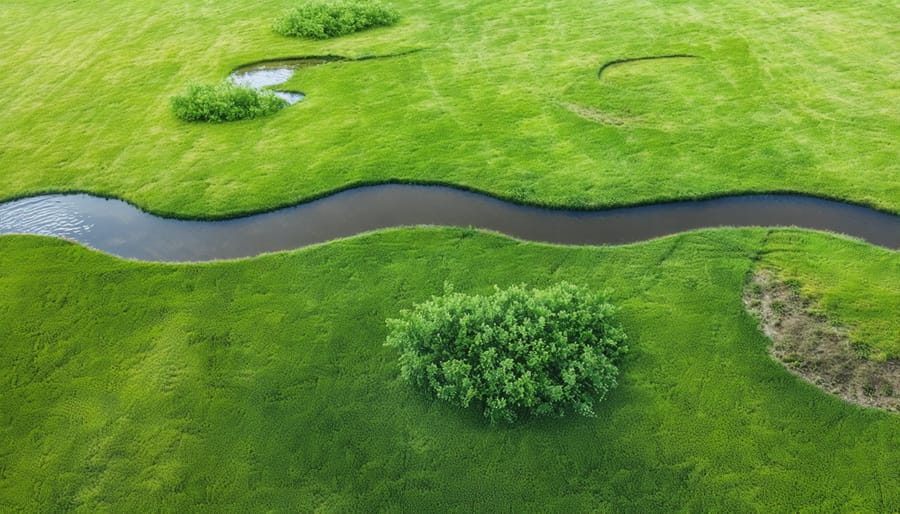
320	19
515	352
224	101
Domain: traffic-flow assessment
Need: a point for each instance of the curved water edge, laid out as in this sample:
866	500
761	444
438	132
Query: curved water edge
119	228
274	72
266	74
616	62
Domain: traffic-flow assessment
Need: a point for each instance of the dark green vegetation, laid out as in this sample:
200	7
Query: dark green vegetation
264	384
225	101
514	353
505	99
323	19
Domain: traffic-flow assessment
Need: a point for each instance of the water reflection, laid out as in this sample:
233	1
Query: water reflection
274	73
118	228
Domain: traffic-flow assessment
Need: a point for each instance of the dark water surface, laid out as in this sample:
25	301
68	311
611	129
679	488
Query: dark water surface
116	227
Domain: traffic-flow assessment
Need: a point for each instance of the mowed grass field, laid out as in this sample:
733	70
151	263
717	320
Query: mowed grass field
264	384
504	98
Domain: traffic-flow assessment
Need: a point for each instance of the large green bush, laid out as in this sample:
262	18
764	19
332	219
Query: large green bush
224	101
320	19
516	352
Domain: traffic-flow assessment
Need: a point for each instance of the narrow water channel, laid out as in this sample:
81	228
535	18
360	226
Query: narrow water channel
118	228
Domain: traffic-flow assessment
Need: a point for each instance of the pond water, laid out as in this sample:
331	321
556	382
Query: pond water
269	74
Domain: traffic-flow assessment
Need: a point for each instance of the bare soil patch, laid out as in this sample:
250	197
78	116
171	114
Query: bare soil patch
595	115
815	349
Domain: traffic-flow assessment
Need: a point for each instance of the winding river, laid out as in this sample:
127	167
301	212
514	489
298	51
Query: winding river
118	228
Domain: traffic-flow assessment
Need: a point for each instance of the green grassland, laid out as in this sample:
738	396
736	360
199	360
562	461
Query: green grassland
787	96
263	384
858	291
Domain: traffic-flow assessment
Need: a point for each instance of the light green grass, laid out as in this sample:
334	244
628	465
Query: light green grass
861	293
788	96
264	385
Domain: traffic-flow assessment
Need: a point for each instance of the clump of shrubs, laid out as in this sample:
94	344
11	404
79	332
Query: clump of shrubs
515	353
322	19
224	101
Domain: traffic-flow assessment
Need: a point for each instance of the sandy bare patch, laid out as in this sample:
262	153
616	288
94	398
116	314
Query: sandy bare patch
595	115
812	348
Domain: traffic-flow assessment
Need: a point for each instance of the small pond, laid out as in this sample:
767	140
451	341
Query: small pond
268	74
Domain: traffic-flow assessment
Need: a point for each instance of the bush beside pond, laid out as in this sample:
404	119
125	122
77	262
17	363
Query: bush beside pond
326	19
515	353
224	101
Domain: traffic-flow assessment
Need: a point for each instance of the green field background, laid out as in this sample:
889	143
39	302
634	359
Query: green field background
786	96
264	384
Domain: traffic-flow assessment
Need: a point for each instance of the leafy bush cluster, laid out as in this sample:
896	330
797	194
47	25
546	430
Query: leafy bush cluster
224	101
320	19
516	352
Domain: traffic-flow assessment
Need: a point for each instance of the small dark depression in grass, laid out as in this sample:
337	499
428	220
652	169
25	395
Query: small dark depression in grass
628	60
274	73
118	228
